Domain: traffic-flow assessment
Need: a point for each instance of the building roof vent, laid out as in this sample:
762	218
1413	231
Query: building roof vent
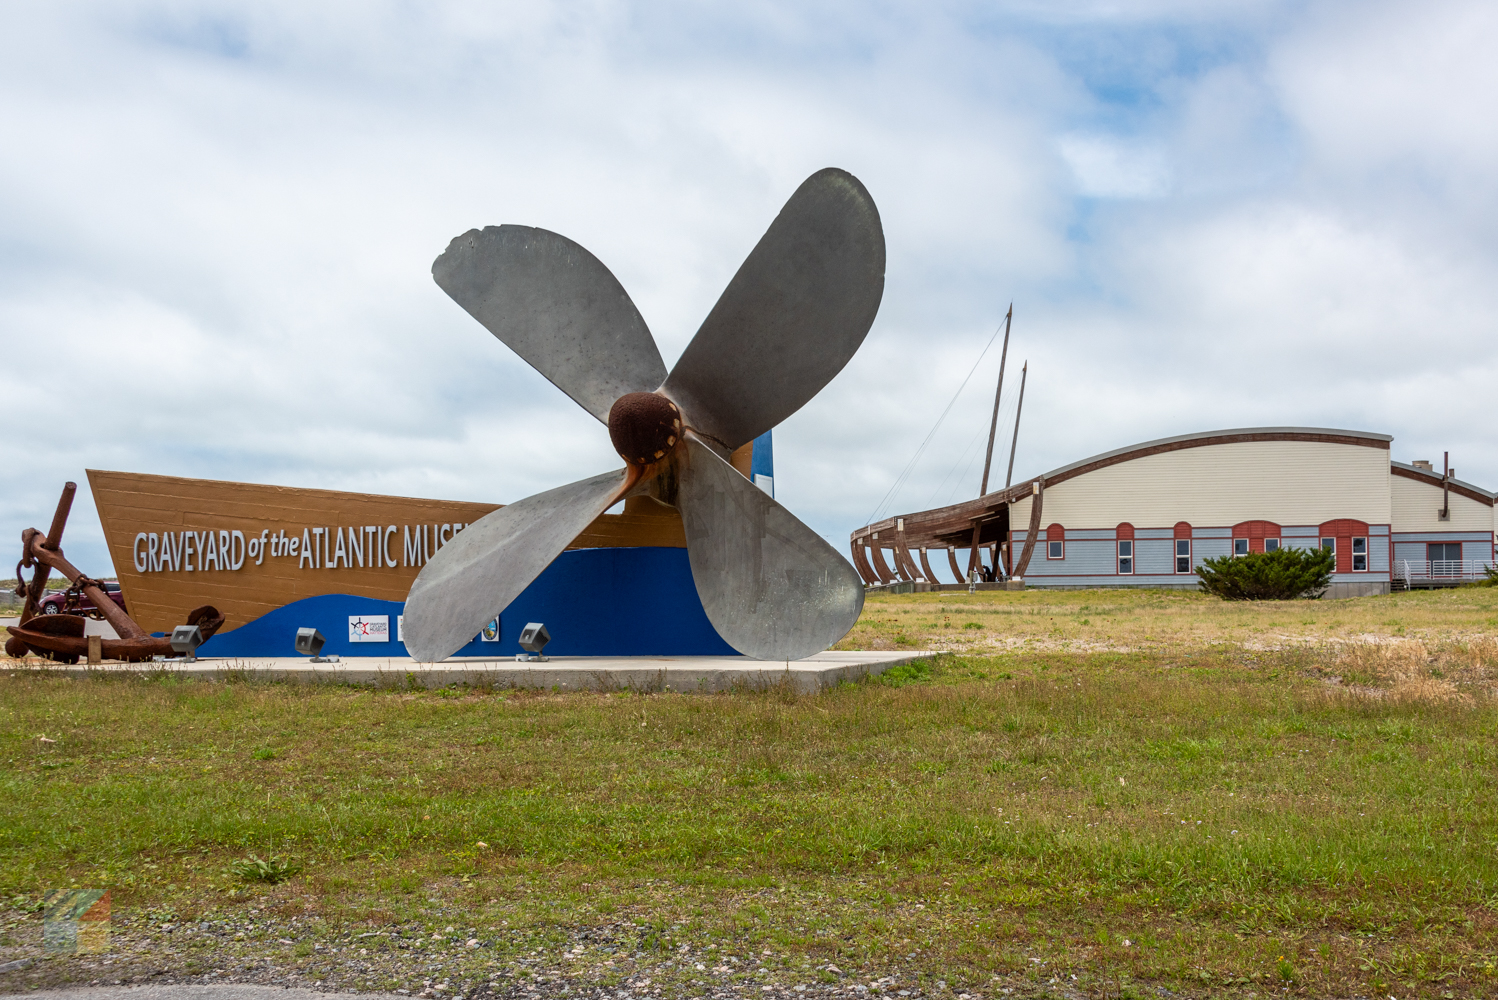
1421	463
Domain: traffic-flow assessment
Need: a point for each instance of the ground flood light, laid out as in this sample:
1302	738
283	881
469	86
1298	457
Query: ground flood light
533	639
310	640
185	640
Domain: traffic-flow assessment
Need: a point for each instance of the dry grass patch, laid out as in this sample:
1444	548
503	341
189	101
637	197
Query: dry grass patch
1086	621
1416	672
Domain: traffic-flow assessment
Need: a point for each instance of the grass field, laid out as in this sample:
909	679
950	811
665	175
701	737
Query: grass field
1097	793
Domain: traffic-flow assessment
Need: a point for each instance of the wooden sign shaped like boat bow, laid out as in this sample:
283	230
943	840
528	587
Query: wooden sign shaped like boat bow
60	637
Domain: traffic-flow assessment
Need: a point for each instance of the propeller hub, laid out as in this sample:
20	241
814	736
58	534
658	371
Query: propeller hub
644	426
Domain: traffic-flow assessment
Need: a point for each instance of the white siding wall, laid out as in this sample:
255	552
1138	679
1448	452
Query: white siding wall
1417	505
1288	482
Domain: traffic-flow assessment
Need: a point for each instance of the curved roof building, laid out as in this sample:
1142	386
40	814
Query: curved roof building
1146	515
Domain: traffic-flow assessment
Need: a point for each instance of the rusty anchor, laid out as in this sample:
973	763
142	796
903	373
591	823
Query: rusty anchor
60	637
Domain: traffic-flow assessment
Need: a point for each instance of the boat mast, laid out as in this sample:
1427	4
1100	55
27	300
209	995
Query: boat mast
993	424
1015	443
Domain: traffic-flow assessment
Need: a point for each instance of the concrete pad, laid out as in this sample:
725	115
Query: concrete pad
690	674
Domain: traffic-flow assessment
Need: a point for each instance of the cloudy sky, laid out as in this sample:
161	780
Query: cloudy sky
217	221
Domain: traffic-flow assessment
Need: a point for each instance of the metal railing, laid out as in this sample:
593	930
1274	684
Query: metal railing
1441	569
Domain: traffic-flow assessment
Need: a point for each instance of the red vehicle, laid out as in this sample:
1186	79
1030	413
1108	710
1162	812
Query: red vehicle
56	603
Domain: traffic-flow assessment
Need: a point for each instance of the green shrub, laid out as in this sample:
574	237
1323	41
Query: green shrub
1269	576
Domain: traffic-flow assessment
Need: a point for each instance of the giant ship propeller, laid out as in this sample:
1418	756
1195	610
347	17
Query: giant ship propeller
789	321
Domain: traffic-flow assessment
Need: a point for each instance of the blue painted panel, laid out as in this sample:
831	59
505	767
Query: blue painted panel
1411	551
762	458
595	602
1416	552
1210	548
1154	532
1091	534
1211	532
618	602
1082	556
1300	531
1154	555
1115	581
1443	536
274	633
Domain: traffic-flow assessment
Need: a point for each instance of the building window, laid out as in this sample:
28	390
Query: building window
1240	547
1445	558
1055	541
1360	555
1271	545
1125	557
1183	555
1330	544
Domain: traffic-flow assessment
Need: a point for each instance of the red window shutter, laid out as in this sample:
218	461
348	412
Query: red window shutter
1256	532
1344	530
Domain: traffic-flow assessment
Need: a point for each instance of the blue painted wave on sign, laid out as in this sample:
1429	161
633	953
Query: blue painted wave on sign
594	602
762	458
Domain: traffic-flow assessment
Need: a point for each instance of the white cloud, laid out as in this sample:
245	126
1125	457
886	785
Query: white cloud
1395	85
1106	167
217	221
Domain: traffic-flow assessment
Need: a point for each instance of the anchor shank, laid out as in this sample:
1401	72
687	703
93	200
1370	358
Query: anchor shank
53	541
50	557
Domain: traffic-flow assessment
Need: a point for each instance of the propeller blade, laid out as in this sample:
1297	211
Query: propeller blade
556	306
772	587
476	575
791	318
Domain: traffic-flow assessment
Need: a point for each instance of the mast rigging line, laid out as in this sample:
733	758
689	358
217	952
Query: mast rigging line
962	457
966	460
910	466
